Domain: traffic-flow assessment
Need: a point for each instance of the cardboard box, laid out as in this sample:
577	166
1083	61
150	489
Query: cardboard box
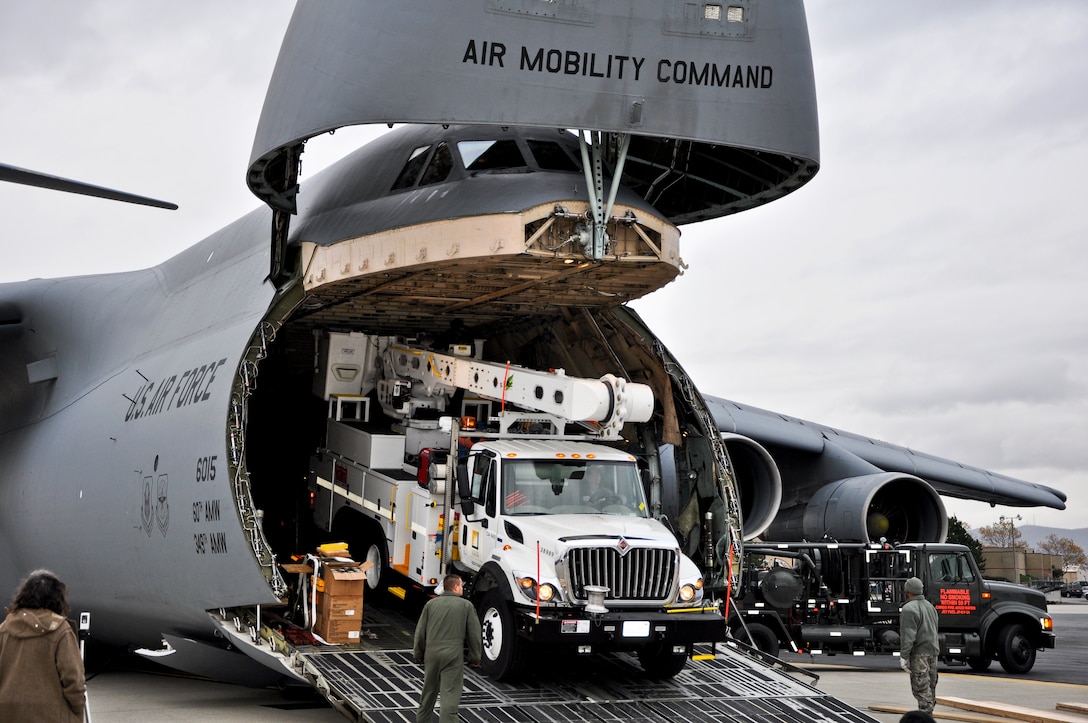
339	606
340	601
339	631
343	580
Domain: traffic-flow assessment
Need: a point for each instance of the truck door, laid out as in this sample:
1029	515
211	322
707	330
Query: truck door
479	530
954	589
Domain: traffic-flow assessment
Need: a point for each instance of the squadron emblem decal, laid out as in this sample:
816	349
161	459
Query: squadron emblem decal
148	507
162	510
156	507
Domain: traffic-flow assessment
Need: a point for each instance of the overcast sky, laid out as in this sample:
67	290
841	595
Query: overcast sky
929	287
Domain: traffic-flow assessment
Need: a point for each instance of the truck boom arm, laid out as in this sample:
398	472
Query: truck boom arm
610	401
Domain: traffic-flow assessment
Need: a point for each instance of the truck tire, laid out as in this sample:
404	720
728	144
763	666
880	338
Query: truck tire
1015	650
365	542
980	664
759	636
659	662
376	577
504	655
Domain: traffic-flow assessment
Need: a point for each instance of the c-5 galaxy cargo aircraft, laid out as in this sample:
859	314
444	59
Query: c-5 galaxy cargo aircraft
156	427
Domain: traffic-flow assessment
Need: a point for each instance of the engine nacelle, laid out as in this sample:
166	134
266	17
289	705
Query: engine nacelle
892	505
759	483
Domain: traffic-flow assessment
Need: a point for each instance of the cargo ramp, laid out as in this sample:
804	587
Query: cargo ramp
377	679
385	685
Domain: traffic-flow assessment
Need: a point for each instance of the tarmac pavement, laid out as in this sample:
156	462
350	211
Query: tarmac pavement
143	697
863	687
131	692
147	697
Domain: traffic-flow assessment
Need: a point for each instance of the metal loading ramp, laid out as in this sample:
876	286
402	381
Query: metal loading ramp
385	685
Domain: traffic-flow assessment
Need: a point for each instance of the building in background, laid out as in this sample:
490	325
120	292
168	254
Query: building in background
1024	565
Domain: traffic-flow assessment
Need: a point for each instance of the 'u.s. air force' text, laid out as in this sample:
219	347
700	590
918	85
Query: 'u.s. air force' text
168	393
621	67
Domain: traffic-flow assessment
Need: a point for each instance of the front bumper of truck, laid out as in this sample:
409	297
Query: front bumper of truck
620	629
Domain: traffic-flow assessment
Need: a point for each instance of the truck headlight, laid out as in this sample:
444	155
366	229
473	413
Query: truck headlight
692	591
530	589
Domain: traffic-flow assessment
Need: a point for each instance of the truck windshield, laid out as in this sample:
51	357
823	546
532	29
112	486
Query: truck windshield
556	487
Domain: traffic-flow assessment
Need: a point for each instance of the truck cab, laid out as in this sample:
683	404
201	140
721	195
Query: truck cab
562	551
981	620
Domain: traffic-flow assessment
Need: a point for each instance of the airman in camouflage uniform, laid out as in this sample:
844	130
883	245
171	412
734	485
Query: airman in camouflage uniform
918	644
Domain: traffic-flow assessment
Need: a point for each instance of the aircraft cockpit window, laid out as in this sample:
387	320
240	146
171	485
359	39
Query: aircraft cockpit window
439	168
491	156
550	156
410	173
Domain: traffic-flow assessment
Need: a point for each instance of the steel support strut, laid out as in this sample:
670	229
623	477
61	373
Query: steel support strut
592	145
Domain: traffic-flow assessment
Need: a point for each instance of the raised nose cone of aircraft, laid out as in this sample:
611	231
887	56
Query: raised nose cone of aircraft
473	221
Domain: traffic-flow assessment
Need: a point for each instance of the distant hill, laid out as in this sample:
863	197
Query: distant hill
1034	534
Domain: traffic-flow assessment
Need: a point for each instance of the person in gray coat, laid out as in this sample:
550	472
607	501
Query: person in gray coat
447	624
918	644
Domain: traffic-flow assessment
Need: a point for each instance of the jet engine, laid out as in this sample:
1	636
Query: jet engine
759	483
890	505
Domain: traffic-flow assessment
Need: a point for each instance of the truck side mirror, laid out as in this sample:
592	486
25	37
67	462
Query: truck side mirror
464	490
464	483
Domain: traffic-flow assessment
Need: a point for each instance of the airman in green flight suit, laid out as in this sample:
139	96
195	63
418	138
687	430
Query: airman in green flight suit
447	624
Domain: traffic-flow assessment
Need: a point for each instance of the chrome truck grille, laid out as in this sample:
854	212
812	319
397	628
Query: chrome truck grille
640	573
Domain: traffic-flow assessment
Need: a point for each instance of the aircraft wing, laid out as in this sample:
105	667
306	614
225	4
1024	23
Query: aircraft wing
26	177
782	432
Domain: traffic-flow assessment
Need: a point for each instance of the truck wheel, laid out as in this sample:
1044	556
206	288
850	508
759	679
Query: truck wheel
366	543
759	636
659	662
376	578
979	665
1015	650
504	656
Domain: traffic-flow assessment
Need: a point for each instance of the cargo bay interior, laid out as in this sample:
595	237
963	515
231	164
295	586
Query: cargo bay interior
286	420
